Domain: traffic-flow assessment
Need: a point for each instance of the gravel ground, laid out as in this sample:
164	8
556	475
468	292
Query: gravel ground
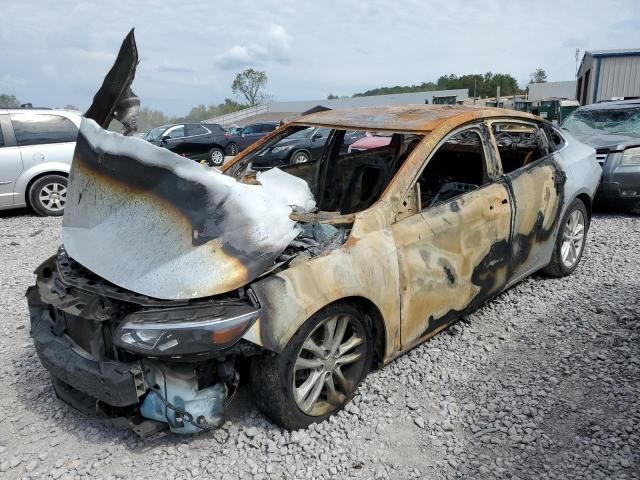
543	382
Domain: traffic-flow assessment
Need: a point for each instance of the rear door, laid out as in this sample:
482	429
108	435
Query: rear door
44	139
536	185
10	161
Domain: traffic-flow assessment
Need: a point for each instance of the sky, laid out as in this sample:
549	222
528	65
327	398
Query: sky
56	53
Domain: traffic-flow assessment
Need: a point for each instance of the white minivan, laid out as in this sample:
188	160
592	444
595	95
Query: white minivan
36	149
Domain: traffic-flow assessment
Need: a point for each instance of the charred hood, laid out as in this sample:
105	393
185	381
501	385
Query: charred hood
162	225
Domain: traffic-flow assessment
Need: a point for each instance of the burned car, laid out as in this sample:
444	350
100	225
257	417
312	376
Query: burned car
174	279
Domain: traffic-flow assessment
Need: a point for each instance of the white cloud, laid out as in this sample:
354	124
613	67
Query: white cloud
272	45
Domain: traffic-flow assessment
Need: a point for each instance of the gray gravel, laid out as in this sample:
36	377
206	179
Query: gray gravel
541	383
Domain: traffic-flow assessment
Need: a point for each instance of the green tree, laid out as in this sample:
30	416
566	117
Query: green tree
250	85
539	76
8	101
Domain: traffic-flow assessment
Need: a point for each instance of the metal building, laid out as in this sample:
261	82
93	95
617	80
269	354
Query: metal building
608	74
543	91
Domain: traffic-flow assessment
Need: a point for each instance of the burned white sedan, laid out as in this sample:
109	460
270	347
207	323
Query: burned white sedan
176	280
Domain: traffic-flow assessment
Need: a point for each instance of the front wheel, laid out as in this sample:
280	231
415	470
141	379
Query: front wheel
300	157
215	157
319	370
570	240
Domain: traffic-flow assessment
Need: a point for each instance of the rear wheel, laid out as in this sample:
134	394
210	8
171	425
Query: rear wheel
215	157
570	241
233	149
319	370
48	195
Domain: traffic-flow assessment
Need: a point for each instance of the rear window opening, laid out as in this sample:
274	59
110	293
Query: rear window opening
518	145
347	170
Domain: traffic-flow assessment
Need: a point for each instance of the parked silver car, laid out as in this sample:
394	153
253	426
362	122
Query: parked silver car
36	149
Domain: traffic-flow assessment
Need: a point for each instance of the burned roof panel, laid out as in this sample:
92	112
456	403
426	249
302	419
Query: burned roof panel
405	118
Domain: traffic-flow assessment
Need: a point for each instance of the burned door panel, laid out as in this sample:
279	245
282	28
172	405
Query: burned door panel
451	256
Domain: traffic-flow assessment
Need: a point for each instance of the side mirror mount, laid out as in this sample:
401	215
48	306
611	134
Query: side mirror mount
316	137
164	138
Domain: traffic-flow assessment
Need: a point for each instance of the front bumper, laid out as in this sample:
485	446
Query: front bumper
118	384
619	182
73	320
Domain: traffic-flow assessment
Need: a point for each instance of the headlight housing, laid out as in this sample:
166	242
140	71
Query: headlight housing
282	148
184	330
631	157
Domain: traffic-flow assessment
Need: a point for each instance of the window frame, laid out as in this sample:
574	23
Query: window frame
543	142
189	126
168	131
14	119
491	175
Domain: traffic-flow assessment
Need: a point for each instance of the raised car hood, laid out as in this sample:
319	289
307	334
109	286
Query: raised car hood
161	225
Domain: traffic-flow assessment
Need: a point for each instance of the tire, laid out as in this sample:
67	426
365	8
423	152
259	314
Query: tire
48	195
215	157
300	157
233	149
567	251
275	379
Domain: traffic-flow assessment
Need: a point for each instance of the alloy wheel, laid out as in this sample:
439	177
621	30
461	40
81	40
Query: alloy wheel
573	239
53	196
329	365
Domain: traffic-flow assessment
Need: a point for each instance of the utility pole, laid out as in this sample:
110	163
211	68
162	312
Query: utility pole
577	57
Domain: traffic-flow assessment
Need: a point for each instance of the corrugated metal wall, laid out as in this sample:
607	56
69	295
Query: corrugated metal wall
619	77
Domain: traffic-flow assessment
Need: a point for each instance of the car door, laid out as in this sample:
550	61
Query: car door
453	246
249	135
10	161
173	138
536	186
46	143
196	141
318	141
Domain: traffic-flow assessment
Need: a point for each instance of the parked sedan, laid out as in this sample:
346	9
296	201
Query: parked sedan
198	141
173	279
303	146
613	129
248	136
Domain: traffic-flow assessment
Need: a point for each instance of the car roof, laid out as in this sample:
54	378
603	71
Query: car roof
613	105
406	118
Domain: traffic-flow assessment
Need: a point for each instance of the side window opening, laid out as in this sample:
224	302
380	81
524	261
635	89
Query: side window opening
361	166
457	167
555	139
518	145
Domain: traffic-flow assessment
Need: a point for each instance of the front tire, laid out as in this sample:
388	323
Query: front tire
570	240
48	195
300	157
215	157
319	370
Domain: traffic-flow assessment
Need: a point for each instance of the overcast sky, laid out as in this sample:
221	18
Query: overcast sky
57	52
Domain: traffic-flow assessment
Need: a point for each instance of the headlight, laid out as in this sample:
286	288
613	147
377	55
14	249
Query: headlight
281	149
631	157
184	330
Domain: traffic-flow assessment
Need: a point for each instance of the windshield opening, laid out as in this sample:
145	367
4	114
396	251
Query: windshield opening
623	121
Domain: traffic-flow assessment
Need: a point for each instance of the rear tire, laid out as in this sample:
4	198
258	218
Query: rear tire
318	372
48	195
570	240
215	157
233	149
